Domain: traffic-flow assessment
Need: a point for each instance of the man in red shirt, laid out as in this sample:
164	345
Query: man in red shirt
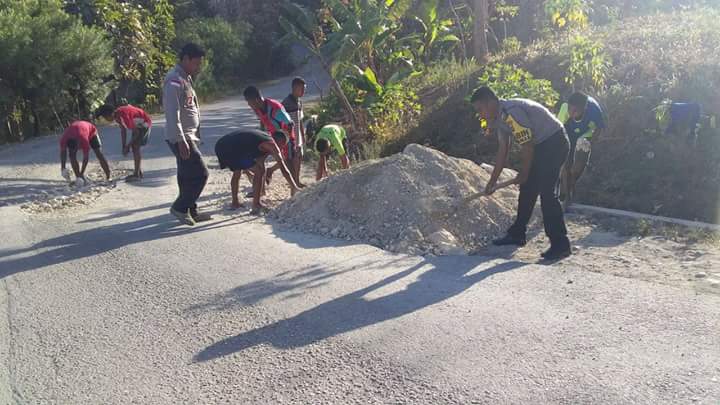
138	122
274	118
81	135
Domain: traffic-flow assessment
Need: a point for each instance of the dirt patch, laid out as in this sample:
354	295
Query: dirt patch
412	202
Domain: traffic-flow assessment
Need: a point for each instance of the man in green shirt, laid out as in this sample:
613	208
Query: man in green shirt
331	138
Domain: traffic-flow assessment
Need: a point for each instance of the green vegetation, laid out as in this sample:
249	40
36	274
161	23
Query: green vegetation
63	58
631	56
52	66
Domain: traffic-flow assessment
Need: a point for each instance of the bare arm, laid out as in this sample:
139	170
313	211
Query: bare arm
258	182
63	158
86	157
500	160
320	168
123	137
345	161
275	152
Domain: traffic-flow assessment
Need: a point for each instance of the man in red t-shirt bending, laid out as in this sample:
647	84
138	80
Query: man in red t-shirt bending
138	122
81	135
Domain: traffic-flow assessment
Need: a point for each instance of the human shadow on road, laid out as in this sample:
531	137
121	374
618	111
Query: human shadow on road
292	283
446	278
98	240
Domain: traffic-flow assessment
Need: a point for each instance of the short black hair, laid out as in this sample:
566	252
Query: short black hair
72	144
484	94
192	51
280	136
104	111
298	81
251	92
322	145
578	99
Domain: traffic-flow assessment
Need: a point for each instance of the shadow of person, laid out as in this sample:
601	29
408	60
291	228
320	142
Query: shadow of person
97	240
445	278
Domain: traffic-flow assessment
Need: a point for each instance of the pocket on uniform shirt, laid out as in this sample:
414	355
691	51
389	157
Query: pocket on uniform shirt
189	99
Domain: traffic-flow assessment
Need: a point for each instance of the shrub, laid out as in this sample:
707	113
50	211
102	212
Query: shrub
512	82
53	69
395	110
589	64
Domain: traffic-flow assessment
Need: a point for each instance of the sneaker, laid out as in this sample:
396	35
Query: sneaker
554	253
184	217
509	240
200	216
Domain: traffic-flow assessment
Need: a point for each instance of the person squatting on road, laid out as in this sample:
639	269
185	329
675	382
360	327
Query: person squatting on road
544	149
331	138
274	118
294	107
83	135
247	150
583	120
182	123
132	118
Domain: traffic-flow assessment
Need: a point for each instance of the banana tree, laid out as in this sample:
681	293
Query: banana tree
305	28
433	33
344	33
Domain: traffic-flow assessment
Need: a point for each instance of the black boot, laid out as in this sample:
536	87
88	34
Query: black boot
557	252
509	240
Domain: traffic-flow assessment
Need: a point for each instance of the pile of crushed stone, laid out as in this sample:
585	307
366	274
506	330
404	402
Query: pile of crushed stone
414	202
71	195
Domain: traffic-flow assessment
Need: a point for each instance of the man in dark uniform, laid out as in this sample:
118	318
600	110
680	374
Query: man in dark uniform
544	149
182	123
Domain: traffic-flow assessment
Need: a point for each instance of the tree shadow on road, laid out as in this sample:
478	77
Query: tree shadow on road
101	239
20	190
439	279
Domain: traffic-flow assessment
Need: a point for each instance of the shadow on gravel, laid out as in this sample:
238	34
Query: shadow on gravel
441	278
101	239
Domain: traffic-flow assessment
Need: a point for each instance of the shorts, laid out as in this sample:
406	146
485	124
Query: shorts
141	135
95	142
581	145
289	151
235	163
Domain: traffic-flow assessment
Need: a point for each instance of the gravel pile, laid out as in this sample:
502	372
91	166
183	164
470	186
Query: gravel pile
413	202
73	194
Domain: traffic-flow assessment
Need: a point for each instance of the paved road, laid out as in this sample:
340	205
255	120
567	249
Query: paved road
114	303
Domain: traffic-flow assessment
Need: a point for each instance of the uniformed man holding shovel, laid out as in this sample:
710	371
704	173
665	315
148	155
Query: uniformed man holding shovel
544	149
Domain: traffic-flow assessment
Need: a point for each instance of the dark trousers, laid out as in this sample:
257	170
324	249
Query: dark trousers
192	174
543	180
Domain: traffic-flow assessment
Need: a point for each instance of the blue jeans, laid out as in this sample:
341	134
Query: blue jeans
192	175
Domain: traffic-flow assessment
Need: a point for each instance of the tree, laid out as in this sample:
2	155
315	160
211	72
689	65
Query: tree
53	69
480	43
343	34
142	32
